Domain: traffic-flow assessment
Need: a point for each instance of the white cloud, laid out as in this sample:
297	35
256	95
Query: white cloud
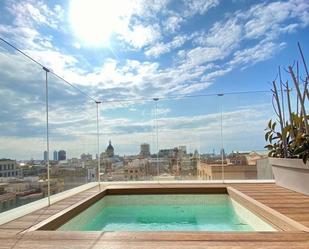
173	22
193	87
260	52
201	55
26	37
54	60
199	6
240	39
149	8
77	45
194	69
262	24
226	35
163	111
162	48
216	74
200	131
140	36
28	17
30	13
263	19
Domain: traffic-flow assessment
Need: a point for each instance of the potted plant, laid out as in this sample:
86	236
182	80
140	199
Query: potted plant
288	137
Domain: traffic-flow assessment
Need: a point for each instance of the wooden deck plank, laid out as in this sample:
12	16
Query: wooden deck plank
168	236
33	217
291	204
22	244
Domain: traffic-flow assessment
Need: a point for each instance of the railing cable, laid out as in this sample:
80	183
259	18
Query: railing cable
49	70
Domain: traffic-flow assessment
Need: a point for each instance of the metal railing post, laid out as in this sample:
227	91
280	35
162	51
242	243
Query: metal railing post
157	136
47	133
98	144
221	137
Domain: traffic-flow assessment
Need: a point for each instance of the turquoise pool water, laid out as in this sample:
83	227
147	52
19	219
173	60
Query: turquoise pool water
166	213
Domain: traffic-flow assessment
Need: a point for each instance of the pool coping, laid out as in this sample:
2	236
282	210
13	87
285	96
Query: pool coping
269	215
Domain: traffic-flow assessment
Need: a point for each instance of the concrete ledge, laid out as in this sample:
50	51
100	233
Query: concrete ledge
187	182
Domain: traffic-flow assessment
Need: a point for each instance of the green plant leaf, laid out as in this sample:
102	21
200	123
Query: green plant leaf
270	138
267	135
269	146
273	126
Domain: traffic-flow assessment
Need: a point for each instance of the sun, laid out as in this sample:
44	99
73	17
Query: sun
94	21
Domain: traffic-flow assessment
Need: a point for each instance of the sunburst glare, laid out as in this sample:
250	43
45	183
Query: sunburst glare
94	21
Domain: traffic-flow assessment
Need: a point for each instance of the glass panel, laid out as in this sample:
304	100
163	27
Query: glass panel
189	138
127	141
73	136
245	116
186	138
22	130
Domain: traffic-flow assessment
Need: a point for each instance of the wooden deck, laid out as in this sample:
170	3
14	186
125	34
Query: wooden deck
287	202
15	234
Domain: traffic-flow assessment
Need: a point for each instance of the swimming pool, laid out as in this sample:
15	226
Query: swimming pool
168	212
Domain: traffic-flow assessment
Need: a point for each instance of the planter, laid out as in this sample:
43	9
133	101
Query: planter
291	173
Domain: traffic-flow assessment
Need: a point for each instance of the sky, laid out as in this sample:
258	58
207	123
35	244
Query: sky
139	50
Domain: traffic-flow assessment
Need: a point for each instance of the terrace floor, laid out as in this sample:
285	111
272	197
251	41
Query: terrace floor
295	206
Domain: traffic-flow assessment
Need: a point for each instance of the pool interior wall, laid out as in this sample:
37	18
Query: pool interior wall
168	212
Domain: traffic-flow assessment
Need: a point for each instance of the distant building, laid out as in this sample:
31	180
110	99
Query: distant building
62	155
230	172
145	150
55	155
110	149
167	153
136	169
189	165
74	163
222	154
108	158
182	149
45	156
161	165
238	166
8	168
86	157
237	158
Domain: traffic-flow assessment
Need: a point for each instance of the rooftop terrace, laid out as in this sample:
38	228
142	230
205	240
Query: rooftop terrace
174	100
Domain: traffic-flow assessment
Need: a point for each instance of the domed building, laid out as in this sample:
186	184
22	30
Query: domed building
109	160
110	149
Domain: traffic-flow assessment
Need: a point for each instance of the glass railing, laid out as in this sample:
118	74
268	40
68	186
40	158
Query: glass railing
127	140
204	137
210	137
72	136
189	127
23	174
245	116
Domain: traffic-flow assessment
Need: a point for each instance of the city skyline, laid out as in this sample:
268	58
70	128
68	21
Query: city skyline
141	152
